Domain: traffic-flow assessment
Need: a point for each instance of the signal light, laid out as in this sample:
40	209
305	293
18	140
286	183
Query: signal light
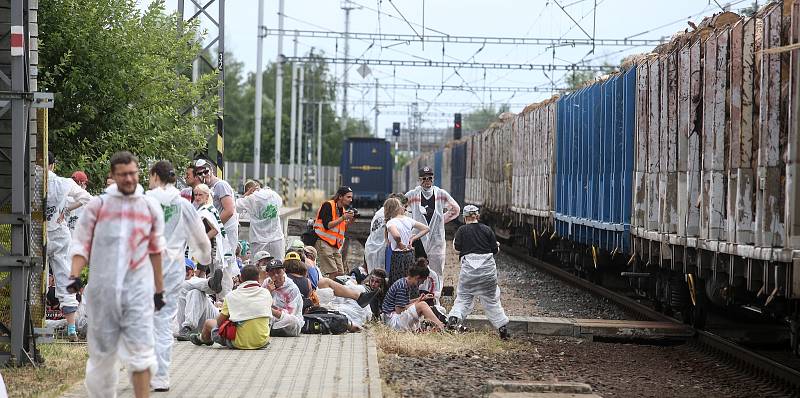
457	127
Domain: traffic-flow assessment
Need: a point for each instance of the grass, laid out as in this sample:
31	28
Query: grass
64	366
434	344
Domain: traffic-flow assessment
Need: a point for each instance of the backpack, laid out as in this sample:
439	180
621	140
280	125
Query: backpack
322	321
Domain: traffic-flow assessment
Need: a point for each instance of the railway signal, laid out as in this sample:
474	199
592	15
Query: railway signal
396	129
457	127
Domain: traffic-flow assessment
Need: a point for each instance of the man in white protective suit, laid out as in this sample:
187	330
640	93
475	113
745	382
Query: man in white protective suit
287	301
433	207
224	202
263	205
375	247
476	245
182	226
63	196
121	236
195	306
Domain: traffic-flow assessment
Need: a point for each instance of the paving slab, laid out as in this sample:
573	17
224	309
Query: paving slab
306	366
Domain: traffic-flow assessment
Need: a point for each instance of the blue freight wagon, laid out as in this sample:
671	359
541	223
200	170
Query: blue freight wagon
366	167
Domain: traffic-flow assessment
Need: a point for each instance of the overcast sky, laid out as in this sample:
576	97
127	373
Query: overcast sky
614	19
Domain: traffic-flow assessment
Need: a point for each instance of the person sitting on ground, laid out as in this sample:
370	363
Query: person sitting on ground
195	304
248	307
296	271
260	260
356	314
476	245
402	313
287	301
311	265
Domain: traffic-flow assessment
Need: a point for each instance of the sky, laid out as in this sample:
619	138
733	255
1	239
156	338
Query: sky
613	19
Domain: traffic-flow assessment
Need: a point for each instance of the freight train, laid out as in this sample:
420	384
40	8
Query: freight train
366	167
679	172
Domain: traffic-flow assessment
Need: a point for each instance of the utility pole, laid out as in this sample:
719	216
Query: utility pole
347	6
258	94
301	120
279	97
377	112
293	124
319	145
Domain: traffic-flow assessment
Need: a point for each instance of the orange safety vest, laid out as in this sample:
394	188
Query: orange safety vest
335	236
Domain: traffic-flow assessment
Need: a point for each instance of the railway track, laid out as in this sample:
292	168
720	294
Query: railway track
785	379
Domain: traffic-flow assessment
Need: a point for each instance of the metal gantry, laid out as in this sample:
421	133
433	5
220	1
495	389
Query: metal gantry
457	64
533	41
447	87
219	40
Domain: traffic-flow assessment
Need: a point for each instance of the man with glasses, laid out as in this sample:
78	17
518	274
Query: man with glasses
433	207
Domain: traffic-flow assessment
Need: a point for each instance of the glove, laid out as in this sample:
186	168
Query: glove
76	284
158	300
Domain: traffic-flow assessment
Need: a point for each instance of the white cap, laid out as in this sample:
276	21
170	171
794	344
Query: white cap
470	210
261	255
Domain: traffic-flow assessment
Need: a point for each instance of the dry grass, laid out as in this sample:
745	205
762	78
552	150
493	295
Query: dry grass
430	344
64	366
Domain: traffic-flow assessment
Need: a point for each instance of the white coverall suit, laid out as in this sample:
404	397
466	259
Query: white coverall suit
182	225
232	237
117	234
375	247
446	210
289	301
59	190
194	305
357	315
266	230
222	252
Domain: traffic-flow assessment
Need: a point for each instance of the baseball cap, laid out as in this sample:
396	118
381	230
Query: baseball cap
80	177
425	171
274	264
189	263
292	256
310	250
470	209
297	244
262	255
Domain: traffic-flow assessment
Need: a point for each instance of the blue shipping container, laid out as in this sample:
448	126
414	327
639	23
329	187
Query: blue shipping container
594	163
366	167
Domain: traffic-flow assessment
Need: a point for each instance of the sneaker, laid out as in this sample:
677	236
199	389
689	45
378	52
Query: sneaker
163	389
365	298
215	282
184	334
72	337
504	333
453	322
196	340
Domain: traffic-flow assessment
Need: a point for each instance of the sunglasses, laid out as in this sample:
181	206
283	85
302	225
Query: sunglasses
426	178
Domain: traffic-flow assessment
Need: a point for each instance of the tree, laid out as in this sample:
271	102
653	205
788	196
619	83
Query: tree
577	79
750	10
482	118
121	79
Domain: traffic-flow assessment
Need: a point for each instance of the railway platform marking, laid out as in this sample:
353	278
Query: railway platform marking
307	366
588	328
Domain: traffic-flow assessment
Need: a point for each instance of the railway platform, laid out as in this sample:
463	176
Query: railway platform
306	366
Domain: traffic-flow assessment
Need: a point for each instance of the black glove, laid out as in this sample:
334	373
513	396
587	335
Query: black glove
158	300
76	284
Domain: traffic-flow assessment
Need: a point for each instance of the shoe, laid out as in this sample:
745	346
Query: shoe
504	333
165	389
184	334
365	298
195	339
452	323
72	337
215	282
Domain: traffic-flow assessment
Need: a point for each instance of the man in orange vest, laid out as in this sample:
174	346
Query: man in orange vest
329	227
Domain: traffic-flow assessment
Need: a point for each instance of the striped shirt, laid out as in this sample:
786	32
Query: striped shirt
397	296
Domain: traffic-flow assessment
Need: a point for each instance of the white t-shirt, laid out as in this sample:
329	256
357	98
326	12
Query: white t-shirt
404	225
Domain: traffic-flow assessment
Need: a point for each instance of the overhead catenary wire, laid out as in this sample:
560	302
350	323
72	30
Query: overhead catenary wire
454	64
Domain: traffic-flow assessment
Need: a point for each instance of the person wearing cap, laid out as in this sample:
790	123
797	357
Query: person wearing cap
223	199
476	245
263	205
64	195
433	207
287	301
375	247
195	305
330	227
310	259
72	216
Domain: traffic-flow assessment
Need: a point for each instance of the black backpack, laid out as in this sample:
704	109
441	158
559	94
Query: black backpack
322	321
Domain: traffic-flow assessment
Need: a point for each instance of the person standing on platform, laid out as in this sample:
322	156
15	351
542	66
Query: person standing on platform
329	227
433	207
477	245
121	235
263	205
182	226
63	196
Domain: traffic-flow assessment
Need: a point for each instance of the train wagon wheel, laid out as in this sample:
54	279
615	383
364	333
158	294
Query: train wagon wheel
698	313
